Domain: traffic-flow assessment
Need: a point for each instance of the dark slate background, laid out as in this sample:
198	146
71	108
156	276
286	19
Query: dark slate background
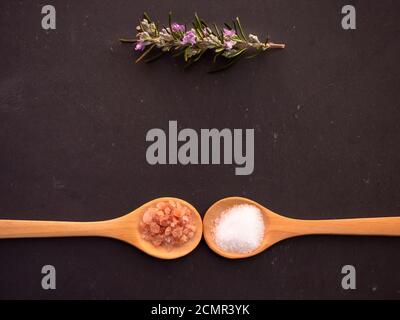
74	111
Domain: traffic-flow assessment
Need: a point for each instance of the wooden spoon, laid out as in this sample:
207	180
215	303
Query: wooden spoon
124	228
278	228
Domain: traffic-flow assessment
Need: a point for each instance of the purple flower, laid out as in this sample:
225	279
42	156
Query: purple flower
189	37
140	45
176	27
229	33
229	44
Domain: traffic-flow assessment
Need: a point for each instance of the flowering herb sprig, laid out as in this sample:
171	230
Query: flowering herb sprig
229	42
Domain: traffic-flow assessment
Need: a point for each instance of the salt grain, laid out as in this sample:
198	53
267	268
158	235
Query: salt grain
240	229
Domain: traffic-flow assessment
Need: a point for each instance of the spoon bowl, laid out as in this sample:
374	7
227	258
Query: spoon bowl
279	227
124	228
271	220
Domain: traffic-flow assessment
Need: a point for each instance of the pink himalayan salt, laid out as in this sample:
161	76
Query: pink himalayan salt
168	223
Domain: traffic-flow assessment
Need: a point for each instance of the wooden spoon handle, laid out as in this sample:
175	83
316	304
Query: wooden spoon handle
38	229
389	226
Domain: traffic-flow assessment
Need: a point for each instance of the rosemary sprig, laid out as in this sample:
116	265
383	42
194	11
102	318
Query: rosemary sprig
229	42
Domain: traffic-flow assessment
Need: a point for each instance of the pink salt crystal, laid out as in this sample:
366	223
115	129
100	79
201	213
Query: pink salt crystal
168	239
154	228
157	243
148	217
177	233
161	205
172	203
159	215
164	221
177	212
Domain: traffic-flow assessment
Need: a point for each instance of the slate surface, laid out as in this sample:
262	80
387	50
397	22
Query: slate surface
75	109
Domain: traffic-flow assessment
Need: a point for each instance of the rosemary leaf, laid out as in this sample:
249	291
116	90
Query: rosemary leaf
216	56
199	55
231	62
157	32
147	17
237	53
224	67
196	30
178	53
154	57
236	29
218	34
185	54
166	29
241	29
145	53
228	26
141	25
195	59
199	24
170	25
170	20
128	40
258	51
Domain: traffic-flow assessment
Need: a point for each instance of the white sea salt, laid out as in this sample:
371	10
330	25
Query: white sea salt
240	229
